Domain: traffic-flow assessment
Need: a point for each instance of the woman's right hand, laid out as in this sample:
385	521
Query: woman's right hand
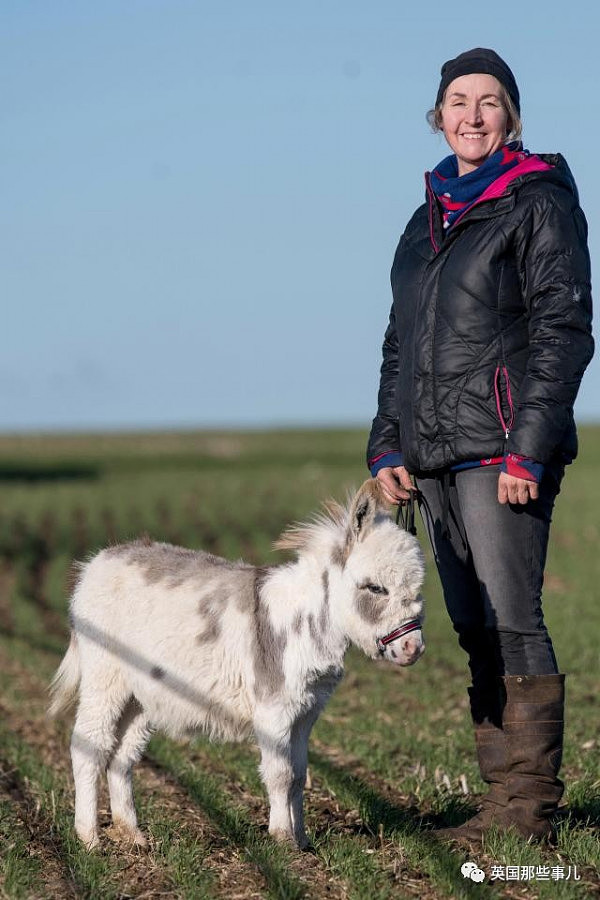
395	482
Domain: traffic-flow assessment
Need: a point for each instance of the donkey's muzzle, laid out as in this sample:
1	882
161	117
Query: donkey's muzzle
404	645
406	650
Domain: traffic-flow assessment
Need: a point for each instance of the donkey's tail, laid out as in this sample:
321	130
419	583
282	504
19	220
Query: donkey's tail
64	685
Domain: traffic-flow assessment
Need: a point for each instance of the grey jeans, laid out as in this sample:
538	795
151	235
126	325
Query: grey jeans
491	558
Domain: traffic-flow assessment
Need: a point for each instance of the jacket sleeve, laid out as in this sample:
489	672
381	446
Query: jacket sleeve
384	438
555	273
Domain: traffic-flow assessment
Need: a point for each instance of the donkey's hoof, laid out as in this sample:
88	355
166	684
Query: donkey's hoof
139	839
89	839
302	842
126	834
283	837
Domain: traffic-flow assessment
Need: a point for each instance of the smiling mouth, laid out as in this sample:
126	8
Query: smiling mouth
472	136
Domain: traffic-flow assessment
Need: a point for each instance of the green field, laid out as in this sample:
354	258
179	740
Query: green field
392	755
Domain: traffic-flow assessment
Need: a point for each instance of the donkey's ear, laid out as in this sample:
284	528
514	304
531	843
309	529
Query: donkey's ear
368	502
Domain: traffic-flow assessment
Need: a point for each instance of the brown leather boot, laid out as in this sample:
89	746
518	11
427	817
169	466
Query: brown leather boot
490	744
533	724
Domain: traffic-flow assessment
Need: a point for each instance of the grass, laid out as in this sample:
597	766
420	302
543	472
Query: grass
271	859
44	796
391	755
20	874
182	854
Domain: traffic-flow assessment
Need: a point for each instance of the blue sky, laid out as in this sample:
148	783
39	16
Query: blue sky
201	200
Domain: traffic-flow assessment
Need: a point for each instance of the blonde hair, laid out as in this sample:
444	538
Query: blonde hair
515	125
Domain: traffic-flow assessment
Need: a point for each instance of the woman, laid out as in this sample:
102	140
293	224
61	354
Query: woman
488	338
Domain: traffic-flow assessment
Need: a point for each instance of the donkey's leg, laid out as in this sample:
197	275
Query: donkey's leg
132	735
276	769
92	741
300	733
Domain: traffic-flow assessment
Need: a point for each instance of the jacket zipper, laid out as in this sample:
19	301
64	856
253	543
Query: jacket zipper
431	202
430	197
502	371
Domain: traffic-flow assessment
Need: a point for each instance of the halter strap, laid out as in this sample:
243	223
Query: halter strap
406	628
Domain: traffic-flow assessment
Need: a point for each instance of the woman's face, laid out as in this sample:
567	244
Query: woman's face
474	119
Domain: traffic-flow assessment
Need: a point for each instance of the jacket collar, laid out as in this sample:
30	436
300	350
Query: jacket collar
484	208
500	196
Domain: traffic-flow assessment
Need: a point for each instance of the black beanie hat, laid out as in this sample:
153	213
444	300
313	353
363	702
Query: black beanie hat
479	61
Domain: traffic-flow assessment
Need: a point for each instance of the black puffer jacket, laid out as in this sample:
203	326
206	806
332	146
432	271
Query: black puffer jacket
489	323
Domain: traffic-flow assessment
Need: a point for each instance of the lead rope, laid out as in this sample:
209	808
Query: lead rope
405	518
405	514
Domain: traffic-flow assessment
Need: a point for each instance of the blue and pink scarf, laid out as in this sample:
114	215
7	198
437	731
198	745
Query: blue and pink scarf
458	193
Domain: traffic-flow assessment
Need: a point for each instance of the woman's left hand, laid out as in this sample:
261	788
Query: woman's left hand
516	490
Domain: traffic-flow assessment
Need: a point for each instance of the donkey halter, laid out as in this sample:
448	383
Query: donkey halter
406	628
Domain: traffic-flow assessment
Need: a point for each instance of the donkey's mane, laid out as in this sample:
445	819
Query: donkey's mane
332	518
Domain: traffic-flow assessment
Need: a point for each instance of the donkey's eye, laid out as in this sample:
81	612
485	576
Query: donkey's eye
374	588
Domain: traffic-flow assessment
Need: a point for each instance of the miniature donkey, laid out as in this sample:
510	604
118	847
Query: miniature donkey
177	640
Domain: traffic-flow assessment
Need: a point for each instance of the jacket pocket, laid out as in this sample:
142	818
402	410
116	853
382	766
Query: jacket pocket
506	414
